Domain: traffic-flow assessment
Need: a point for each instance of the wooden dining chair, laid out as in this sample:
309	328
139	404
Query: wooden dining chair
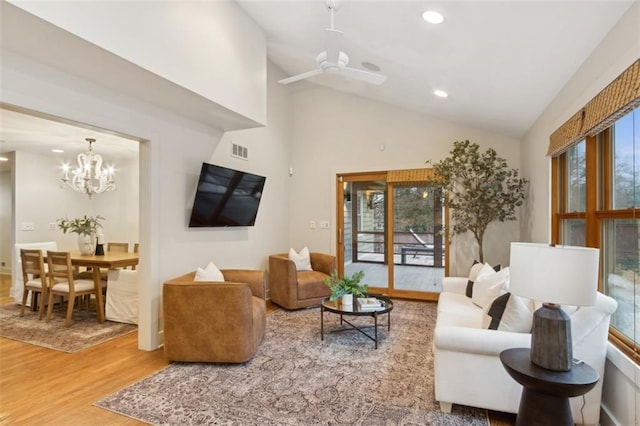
136	248
119	247
34	279
62	283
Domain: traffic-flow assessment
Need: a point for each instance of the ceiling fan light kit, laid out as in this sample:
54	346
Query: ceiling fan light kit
335	61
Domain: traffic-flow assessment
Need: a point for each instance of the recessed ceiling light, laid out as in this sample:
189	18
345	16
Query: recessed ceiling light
433	17
440	93
56	150
370	66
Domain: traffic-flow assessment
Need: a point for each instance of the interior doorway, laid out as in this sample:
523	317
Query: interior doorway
391	226
36	144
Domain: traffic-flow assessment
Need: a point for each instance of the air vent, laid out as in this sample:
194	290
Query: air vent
239	151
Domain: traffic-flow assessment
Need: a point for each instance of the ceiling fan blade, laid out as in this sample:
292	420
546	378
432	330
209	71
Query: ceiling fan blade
300	76
332	42
366	76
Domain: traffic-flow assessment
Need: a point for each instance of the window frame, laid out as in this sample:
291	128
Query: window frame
599	177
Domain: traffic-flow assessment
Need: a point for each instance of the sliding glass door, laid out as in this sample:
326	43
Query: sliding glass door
362	230
392	230
418	240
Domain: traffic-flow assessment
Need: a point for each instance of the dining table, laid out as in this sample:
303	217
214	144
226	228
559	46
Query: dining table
108	260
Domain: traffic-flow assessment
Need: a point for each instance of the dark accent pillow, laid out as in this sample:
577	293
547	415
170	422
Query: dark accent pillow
469	290
497	309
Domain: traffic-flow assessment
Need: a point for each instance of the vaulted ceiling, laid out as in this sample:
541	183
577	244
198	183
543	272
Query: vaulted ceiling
501	62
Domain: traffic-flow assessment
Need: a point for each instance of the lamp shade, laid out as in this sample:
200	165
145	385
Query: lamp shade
564	275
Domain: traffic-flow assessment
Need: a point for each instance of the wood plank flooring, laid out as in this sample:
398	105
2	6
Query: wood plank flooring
43	386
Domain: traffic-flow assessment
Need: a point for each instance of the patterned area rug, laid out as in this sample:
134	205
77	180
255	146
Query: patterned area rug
83	333
297	379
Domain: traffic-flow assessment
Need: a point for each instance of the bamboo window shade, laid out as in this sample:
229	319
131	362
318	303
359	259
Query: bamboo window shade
410	177
617	99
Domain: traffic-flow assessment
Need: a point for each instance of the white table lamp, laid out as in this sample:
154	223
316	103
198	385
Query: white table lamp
554	275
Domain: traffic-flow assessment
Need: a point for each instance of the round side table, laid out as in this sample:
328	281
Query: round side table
545	393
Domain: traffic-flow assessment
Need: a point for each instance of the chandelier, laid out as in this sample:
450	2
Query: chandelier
89	176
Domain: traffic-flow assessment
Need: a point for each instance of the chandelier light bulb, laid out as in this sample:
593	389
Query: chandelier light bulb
89	176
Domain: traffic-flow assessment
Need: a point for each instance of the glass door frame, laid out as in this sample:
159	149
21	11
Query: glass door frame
341	179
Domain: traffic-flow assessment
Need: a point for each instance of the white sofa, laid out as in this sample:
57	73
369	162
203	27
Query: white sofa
467	367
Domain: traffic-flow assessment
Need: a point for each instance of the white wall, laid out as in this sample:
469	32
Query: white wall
147	33
6	207
617	51
333	132
268	156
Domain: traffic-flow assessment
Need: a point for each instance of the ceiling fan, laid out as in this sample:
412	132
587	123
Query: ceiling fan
333	60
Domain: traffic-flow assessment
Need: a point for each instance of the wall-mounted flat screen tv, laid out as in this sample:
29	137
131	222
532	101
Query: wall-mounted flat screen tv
226	197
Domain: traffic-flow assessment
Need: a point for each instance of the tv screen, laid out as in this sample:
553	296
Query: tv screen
226	197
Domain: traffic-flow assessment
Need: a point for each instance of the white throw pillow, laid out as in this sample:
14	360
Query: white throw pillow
489	285
302	260
210	273
475	271
518	315
511	313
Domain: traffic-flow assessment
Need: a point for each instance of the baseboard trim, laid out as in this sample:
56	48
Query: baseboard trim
607	418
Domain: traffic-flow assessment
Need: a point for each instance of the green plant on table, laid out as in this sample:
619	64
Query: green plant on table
86	225
346	285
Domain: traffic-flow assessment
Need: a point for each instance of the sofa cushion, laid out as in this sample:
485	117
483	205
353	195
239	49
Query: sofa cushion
455	309
510	312
210	273
489	286
311	285
302	260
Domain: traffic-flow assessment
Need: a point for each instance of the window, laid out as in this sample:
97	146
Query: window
576	178
626	161
597	183
620	274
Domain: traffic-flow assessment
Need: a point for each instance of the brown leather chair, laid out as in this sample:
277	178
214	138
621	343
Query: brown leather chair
207	321
293	289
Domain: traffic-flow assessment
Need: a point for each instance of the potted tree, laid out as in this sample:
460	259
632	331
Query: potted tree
480	188
346	287
86	227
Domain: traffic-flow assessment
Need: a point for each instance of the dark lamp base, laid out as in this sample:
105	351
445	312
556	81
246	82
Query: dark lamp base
551	345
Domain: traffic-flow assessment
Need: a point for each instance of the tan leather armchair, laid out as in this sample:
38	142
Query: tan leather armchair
293	289
208	321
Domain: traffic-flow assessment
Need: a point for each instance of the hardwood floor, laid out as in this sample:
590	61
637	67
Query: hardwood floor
43	386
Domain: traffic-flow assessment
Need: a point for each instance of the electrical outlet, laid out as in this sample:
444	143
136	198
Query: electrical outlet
53	226
312	224
324	224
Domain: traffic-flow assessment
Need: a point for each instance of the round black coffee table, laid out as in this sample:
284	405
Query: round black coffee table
545	393
354	310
